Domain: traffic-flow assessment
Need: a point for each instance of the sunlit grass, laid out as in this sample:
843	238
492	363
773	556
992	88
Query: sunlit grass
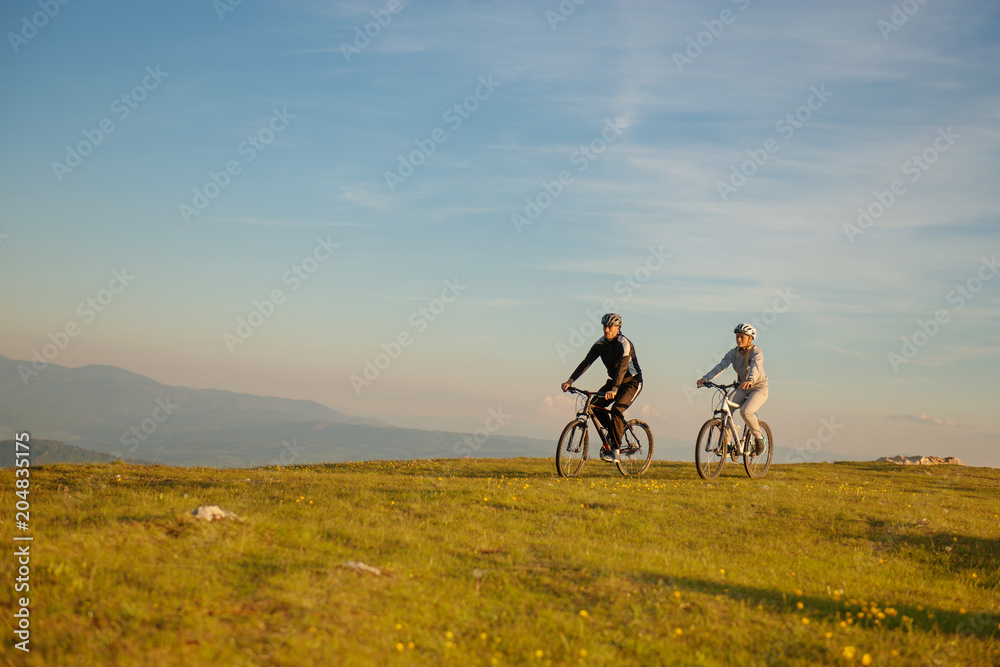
502	562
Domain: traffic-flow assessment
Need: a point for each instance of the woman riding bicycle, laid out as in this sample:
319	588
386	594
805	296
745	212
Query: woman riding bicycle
748	362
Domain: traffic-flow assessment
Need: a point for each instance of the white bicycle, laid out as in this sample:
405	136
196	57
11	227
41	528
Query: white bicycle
718	440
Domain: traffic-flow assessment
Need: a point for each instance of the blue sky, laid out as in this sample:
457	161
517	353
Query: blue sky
645	110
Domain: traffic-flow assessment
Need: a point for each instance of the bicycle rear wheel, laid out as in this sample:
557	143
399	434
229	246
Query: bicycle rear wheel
709	452
636	452
758	465
572	449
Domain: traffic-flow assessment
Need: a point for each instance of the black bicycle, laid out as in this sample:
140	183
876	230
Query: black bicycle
717	439
635	454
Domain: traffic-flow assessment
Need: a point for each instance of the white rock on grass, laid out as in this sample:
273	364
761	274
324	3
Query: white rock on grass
363	567
212	513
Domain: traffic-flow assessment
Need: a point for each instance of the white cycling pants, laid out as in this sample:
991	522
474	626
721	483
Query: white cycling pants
749	403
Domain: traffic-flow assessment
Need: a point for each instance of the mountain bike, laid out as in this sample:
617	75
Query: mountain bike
718	440
635	454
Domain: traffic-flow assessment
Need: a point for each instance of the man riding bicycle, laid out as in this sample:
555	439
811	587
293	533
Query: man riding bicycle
748	362
623	385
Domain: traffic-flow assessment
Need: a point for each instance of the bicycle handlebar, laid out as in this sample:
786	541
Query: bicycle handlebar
720	386
573	390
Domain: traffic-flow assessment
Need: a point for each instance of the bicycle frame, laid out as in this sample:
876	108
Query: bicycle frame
725	409
635	452
590	410
723	421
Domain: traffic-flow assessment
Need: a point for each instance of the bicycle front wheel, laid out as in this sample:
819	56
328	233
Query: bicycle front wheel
636	451
758	465
572	449
709	451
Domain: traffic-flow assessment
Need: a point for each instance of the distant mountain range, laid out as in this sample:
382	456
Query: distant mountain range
130	416
116	414
42	452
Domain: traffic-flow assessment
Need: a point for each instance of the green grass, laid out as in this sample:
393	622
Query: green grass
501	562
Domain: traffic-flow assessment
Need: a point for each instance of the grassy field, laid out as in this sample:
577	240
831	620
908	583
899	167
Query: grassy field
501	562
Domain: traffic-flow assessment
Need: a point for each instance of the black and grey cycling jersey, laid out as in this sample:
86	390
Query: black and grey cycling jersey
618	356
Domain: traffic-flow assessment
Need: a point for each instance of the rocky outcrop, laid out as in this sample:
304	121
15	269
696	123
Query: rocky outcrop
920	460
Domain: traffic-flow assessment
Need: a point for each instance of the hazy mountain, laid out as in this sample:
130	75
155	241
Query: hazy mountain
47	452
126	415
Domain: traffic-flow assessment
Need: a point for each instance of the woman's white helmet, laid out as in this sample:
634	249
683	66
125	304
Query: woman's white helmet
745	329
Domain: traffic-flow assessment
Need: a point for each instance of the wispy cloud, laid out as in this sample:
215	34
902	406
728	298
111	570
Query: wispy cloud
826	345
924	419
649	412
655	185
275	222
